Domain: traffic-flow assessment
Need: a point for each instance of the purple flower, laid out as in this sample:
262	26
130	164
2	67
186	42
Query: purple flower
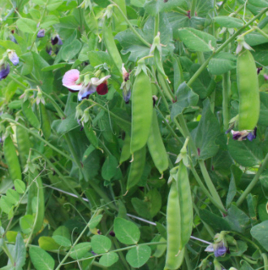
13	57
220	250
12	38
56	40
244	134
265	77
41	33
4	71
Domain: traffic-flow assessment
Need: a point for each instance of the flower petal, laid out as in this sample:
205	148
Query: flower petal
97	81
85	92
4	71
69	80
102	89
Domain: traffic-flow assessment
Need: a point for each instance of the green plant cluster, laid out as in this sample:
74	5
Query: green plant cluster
133	134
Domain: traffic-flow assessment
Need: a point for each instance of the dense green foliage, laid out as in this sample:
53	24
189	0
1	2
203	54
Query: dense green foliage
142	163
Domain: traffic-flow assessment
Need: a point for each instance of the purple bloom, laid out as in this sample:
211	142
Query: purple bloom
12	38
265	77
41	33
244	134
252	135
13	57
220	250
4	71
56	40
126	96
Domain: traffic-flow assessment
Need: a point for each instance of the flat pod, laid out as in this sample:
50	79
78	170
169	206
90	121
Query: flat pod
12	159
156	146
142	111
29	114
174	256
248	87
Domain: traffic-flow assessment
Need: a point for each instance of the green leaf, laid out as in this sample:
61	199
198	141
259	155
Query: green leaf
13	196
259	232
154	7
54	67
263	120
221	63
62	236
39	2
95	221
26	223
53	4
65	125
197	40
206	133
217	223
259	3
80	250
228	22
71	50
246	153
254	39
126	231
137	3
26	25
20	252
108	259
19	186
49	20
47	243
237	219
185	98
138	256
141	207
109	168
6	206
100	243
41	259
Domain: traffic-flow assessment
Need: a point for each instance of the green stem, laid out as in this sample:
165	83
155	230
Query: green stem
253	182
261	32
156	24
193	5
187	260
166	89
6	250
117	250
226	87
41	139
122	257
76	241
265	261
182	11
229	40
130	25
209	183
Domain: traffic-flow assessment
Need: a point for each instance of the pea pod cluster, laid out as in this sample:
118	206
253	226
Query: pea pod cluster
248	87
179	218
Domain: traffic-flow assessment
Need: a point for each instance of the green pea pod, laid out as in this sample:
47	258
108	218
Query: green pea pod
119	18
248	87
45	123
156	146
108	39
136	168
125	154
12	159
24	144
142	110
36	192
30	115
173	258
185	201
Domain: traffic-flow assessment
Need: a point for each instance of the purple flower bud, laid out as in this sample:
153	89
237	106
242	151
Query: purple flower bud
56	40
49	50
252	135
220	250
13	57
4	71
126	96
12	38
265	77
41	33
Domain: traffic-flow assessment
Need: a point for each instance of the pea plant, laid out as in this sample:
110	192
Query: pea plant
133	134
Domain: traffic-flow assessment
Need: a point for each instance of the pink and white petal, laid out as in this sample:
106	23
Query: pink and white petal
96	81
69	80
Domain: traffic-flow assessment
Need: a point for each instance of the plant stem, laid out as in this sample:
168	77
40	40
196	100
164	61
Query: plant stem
192	12
156	24
170	95
229	40
253	182
130	25
6	250
226	87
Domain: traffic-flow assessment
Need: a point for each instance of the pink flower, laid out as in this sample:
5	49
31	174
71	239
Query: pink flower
71	81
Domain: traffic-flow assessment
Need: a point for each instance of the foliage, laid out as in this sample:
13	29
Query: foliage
144	150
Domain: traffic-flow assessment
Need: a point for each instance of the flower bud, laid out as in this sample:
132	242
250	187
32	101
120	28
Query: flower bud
4	71
41	33
13	57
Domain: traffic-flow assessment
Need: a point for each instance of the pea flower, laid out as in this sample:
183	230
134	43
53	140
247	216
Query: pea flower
125	86
41	33
4	71
13	57
73	82
244	134
56	40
